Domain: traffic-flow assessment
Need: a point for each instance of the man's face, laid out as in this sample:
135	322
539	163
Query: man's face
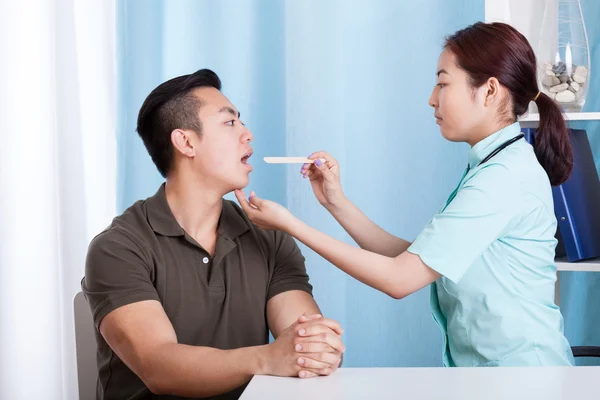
223	148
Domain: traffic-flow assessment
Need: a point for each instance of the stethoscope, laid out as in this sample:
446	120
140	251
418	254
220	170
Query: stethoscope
486	159
500	148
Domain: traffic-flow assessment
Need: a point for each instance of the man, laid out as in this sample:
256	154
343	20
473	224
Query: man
183	287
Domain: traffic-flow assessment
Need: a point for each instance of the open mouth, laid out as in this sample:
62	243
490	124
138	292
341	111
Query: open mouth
246	157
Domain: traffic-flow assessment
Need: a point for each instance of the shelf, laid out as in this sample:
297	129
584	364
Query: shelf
577	116
592	265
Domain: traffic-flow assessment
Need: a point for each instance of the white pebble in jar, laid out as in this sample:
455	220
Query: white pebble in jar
565	83
565	97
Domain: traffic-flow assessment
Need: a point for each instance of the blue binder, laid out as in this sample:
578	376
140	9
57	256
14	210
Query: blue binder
577	202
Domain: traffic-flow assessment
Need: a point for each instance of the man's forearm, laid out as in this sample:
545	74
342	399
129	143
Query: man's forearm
366	233
193	371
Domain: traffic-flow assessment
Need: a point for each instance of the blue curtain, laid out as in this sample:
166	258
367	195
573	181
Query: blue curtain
580	291
352	78
240	40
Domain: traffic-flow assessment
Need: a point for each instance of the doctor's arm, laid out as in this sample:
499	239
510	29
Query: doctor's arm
485	209
365	232
325	181
395	276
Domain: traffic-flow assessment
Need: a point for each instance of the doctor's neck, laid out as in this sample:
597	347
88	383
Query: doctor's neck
486	129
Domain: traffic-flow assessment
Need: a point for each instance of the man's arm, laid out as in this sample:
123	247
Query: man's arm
285	308
128	314
321	347
143	337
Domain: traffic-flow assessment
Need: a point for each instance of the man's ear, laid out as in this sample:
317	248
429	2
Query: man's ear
182	142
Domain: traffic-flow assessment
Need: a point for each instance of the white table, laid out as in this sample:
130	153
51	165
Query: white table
548	383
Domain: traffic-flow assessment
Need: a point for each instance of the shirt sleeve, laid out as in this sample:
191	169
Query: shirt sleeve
483	211
289	272
117	272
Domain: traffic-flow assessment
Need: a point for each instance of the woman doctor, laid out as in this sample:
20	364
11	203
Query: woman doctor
489	252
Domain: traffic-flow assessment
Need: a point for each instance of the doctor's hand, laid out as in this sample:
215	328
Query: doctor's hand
265	214
325	179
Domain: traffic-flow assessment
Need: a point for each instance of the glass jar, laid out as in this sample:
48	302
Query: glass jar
563	54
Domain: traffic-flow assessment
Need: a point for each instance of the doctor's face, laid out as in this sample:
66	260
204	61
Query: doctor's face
458	107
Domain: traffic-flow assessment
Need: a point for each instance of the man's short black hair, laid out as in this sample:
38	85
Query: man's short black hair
171	106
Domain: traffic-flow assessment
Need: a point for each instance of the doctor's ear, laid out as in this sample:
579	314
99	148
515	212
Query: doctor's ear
492	91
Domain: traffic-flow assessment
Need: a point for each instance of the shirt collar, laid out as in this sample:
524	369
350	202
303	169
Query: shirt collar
163	222
482	149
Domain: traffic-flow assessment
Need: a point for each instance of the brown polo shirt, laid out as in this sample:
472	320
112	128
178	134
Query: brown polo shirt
216	301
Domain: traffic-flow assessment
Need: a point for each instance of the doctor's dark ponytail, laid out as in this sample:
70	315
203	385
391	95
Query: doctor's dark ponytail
499	50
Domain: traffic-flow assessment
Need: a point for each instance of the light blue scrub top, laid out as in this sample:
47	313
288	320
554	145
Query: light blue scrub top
494	245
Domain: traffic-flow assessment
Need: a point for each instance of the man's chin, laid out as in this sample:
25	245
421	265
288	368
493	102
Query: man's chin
241	185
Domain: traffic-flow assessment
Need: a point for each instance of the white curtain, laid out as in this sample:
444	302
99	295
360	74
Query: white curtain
57	176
